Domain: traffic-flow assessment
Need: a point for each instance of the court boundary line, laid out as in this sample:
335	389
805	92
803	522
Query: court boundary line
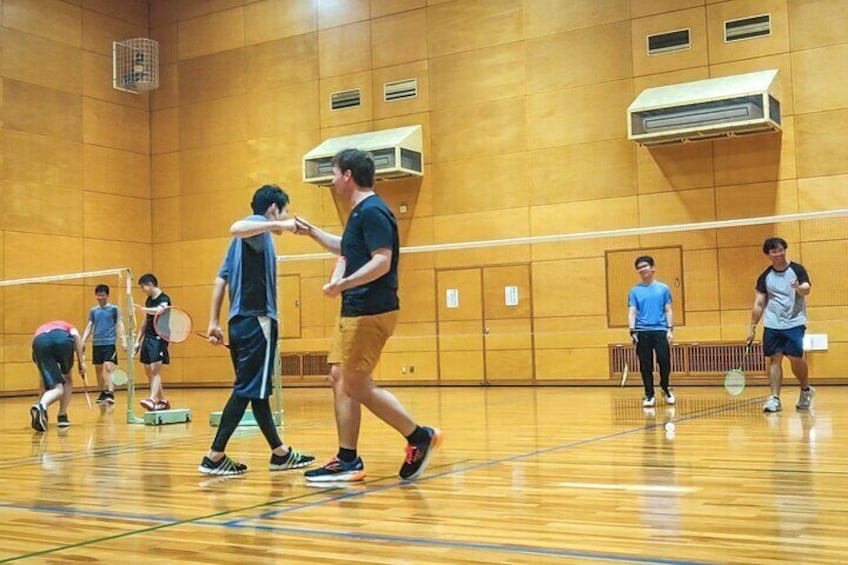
241	523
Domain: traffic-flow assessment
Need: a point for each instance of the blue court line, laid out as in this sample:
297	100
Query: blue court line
89	513
467	545
484	465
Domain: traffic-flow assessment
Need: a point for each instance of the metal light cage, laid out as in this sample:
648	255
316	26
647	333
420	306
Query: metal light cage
135	65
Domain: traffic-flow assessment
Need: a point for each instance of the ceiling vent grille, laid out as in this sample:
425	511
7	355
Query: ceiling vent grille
346	99
747	28
400	90
669	42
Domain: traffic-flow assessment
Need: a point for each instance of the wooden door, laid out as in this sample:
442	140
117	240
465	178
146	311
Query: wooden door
460	324
508	323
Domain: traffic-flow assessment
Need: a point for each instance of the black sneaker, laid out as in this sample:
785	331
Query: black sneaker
102	398
39	417
336	470
223	467
291	460
418	455
62	421
110	397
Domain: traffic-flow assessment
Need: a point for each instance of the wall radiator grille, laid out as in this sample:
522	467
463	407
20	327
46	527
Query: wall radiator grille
299	365
694	359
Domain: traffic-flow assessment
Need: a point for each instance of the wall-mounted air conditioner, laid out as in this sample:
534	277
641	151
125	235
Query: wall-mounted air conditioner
397	153
705	109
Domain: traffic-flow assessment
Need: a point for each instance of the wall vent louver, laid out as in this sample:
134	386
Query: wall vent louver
346	99
400	90
669	42
747	28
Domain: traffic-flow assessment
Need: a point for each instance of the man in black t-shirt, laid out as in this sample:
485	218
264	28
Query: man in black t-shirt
369	314
154	349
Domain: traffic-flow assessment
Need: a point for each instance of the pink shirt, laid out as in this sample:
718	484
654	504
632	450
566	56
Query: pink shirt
54	325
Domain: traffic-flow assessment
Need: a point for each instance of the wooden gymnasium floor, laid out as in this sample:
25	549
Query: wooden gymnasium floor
544	475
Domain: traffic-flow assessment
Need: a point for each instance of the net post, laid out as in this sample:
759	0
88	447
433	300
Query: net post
129	314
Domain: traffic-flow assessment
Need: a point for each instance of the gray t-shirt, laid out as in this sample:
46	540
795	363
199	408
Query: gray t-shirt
785	308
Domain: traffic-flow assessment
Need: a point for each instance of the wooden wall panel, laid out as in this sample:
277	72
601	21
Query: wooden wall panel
24	206
826	262
116	126
700	267
211	123
738	269
165	175
576	58
51	19
219	168
100	30
116	218
167	95
767	157
474	77
277	19
333	13
578	115
269	111
43	111
23	159
546	17
776	42
282	62
344	50
359	117
693	19
817	90
168	37
35	60
116	172
669	169
34	254
380	8
819	151
642	8
554	295
599	170
218	31
464	26
399	38
458	185
816	24
387	110
491	128
133	11
209	77
188	9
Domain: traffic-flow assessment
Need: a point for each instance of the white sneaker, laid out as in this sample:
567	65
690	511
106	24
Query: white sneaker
669	397
805	399
649	402
772	405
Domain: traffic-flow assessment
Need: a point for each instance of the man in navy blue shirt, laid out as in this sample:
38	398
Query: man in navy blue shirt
651	326
250	272
369	314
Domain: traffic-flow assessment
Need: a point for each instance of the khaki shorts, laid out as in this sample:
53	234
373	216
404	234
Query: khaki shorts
358	342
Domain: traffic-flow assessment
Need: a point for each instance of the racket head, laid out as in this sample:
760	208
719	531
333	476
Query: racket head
172	324
119	377
338	269
734	382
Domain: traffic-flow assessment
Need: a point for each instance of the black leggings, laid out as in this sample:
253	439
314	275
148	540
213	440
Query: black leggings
649	342
233	412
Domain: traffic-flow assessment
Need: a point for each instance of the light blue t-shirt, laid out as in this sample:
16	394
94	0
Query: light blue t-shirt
103	323
250	269
650	302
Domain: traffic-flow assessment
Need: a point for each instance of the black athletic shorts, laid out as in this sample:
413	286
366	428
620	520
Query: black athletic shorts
104	354
154	350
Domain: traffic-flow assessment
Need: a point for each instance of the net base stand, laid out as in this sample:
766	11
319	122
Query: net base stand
162	417
247	420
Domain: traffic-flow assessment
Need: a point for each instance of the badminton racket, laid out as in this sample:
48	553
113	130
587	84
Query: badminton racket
118	376
172	324
734	379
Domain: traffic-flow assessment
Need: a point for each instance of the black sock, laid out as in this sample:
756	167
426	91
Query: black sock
418	436
806	389
346	455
